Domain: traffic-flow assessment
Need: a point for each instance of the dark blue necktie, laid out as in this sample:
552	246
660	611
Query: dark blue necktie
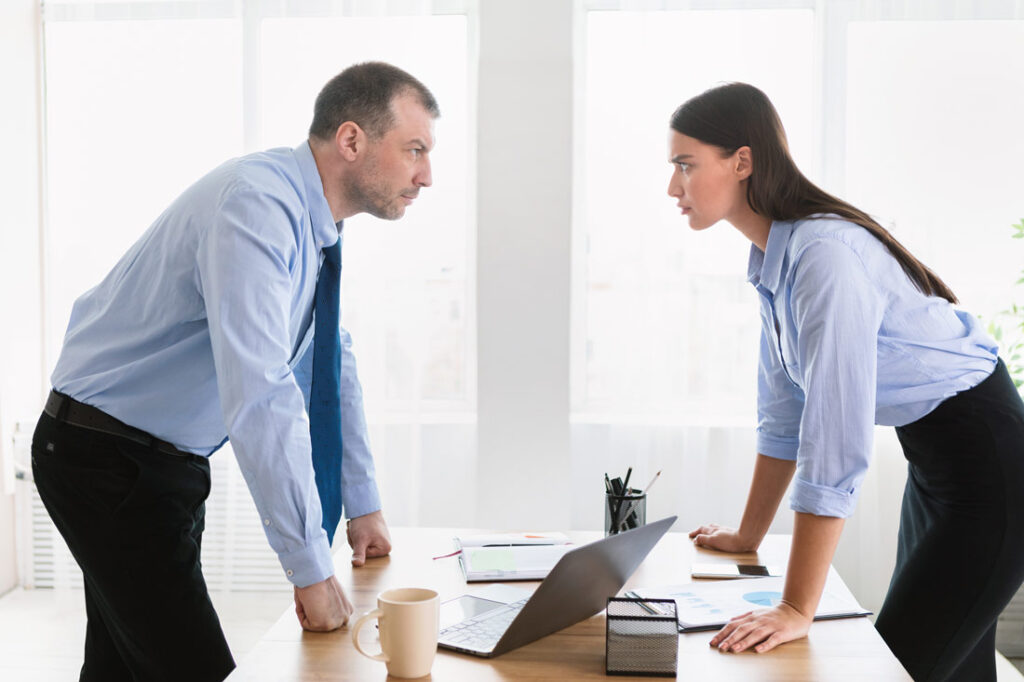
325	394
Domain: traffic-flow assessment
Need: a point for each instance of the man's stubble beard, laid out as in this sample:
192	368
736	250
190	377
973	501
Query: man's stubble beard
370	194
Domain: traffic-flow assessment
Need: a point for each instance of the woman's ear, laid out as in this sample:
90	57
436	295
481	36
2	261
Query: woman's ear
744	162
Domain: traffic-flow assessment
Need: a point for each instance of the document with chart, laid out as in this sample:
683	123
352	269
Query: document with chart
709	605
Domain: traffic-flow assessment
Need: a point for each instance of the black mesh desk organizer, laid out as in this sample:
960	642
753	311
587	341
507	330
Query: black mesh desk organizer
641	637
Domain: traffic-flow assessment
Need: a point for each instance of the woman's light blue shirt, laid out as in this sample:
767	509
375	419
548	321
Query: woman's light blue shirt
202	332
847	342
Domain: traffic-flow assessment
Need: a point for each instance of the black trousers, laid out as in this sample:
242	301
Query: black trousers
132	517
961	540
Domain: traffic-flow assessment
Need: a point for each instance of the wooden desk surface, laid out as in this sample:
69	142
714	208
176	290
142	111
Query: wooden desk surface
848	649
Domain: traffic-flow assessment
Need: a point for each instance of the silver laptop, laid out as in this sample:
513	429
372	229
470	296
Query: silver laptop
500	618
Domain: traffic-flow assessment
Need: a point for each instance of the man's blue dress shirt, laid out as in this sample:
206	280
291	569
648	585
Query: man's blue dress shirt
202	332
847	342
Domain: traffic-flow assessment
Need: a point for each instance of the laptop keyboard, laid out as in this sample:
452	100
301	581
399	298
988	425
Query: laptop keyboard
484	631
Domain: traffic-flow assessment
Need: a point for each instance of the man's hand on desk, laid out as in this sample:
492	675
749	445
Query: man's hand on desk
322	606
368	537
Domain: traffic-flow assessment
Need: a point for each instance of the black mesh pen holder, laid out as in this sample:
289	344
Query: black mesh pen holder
641	637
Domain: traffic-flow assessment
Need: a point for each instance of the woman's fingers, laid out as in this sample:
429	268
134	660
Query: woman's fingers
767	645
707	540
728	629
753	633
723	633
703	530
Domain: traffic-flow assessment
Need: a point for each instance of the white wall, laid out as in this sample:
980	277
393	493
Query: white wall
524	200
21	299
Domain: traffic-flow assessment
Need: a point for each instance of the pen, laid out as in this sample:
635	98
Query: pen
636	503
644	492
609	492
613	506
522	544
623	493
642	604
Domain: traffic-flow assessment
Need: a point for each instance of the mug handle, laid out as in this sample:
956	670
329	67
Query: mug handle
363	620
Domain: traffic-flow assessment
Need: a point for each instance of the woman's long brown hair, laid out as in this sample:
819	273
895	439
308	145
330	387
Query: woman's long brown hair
736	115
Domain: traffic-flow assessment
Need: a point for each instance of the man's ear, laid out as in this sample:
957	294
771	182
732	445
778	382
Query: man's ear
350	140
744	162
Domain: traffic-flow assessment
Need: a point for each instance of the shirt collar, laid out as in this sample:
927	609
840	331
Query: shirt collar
325	230
764	268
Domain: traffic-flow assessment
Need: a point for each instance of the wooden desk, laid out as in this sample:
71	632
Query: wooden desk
835	650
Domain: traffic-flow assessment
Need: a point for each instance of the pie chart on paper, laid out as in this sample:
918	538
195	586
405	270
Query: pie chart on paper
763	598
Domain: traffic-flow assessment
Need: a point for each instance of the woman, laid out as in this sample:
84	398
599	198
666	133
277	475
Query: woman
858	332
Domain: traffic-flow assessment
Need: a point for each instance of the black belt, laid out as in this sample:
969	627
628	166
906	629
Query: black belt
66	409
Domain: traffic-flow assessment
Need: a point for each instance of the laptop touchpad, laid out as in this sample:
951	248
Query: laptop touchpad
463	608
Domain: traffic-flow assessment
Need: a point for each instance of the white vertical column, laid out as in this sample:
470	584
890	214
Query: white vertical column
252	75
21	342
524	215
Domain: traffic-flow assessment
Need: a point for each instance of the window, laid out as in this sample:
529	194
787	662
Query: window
669	326
128	128
933	146
407	283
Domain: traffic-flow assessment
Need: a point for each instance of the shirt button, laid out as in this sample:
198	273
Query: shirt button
290	573
266	522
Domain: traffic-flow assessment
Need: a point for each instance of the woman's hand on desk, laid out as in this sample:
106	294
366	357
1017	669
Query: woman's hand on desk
763	630
721	538
322	606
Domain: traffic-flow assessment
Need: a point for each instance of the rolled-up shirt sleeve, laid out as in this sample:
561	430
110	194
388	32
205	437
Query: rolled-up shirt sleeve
837	312
244	278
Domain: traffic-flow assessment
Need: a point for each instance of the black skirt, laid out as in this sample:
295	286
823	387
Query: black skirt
960	557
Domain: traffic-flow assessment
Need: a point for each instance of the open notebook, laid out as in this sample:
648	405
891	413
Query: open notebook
510	556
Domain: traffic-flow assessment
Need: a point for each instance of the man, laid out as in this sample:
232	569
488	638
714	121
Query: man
218	324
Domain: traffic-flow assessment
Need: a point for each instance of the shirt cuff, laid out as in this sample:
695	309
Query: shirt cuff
779	447
310	565
822	500
360	499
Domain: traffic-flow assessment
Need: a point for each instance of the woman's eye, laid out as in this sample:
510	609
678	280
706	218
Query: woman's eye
683	167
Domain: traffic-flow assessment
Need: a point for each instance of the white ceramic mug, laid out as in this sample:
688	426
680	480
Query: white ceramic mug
409	618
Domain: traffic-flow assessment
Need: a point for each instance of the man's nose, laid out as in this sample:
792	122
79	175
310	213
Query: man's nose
423	178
